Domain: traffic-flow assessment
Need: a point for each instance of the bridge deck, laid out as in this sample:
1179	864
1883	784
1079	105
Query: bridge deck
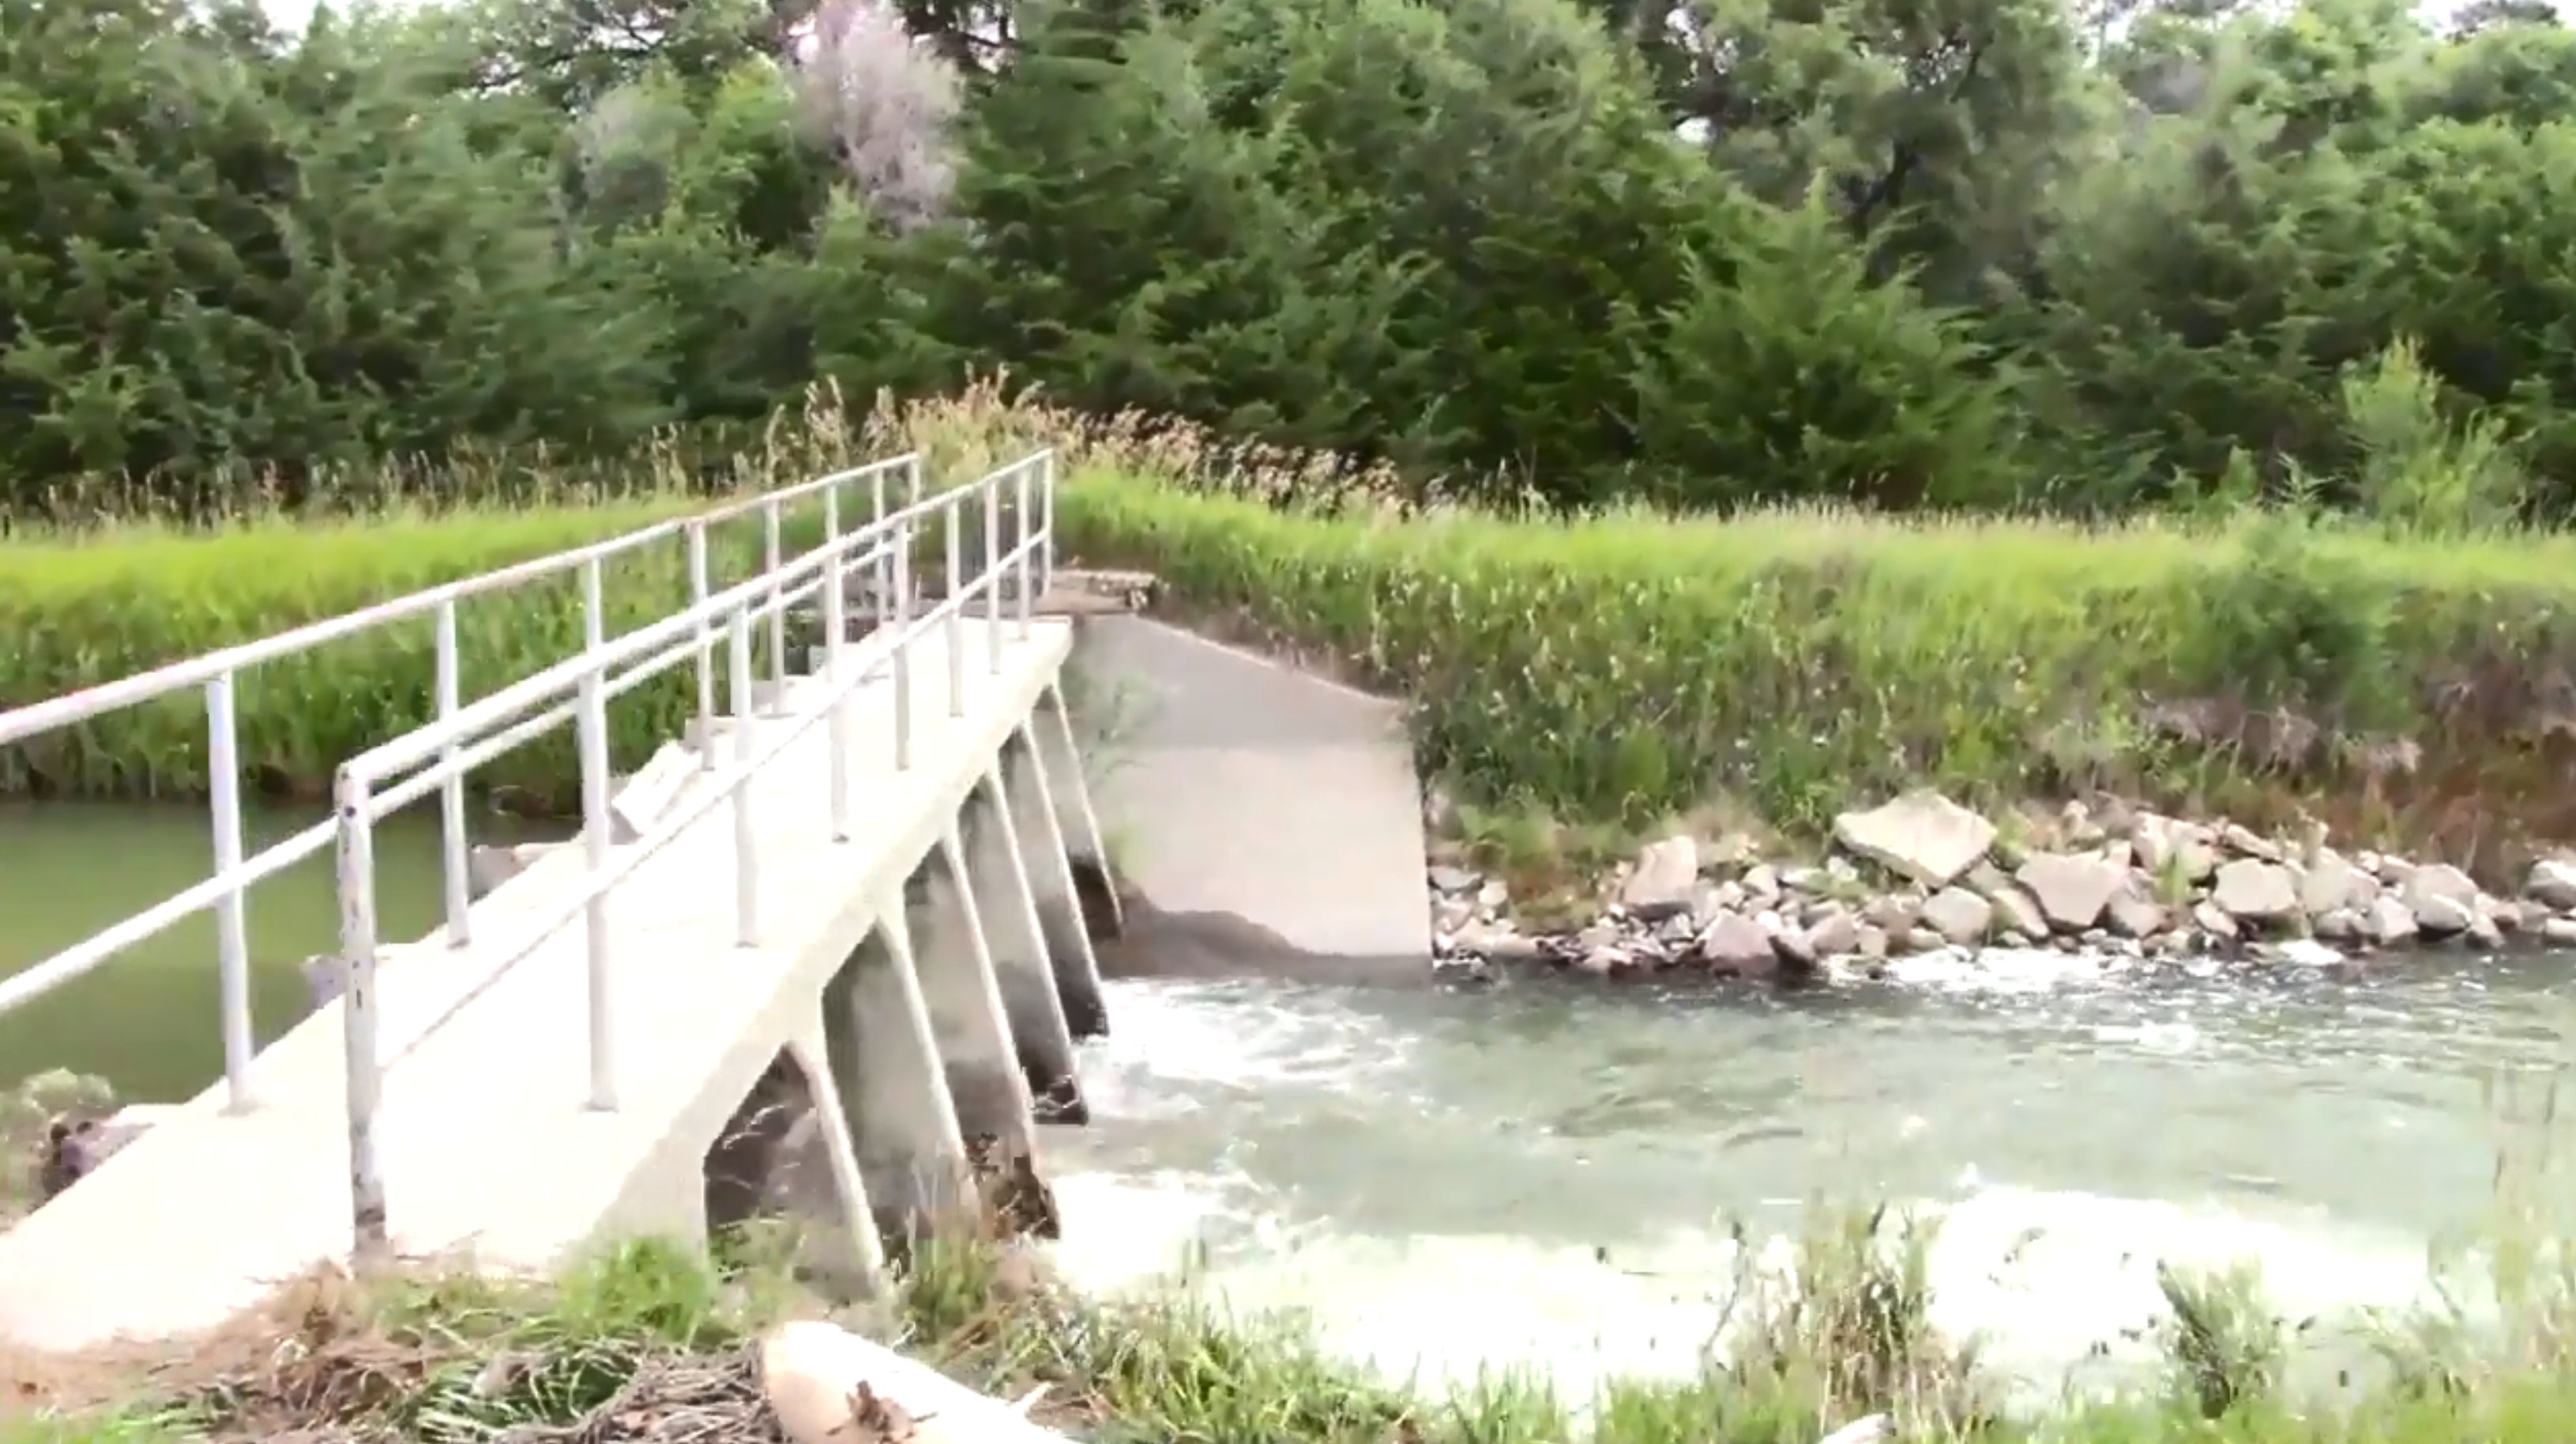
487	1146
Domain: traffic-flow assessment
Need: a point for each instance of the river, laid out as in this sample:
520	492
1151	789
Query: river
1536	1172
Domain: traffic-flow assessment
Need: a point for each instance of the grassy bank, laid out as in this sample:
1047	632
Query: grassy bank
1615	669
657	1345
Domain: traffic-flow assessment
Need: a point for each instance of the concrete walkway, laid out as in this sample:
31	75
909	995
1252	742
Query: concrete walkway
487	1147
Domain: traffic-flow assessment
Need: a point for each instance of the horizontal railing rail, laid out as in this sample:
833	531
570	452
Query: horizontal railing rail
402	769
216	674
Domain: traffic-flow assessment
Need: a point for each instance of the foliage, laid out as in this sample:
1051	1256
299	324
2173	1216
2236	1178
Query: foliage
2004	254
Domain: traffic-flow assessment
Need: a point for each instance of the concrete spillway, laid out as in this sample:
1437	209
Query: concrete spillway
1261	818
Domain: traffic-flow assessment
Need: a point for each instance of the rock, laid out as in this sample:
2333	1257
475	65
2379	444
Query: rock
2330	884
1439	812
2559	932
1735	944
2133	914
1891	912
2388	922
2245	842
2169	847
2439	879
2307	953
2212	918
486	868
2339	926
2484	935
2016	911
646	796
1453	880
2071	890
1958	915
1836	934
2254	891
1601	959
1663	878
2437	915
1450	915
1921	836
2553	883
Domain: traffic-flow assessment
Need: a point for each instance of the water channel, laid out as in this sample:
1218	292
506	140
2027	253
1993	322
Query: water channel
1542	1174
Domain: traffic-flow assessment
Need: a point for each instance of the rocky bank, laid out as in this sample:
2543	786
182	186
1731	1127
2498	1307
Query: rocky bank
1922	874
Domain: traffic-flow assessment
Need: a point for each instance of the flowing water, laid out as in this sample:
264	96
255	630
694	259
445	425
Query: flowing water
1542	1174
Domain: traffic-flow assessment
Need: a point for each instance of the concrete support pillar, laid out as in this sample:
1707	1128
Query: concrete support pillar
1086	847
787	1153
886	1069
1051	866
998	878
964	998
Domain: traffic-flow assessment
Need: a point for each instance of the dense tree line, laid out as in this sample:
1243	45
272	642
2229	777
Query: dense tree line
2087	254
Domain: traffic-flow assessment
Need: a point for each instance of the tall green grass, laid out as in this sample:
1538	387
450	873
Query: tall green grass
1616	669
1629	666
645	1331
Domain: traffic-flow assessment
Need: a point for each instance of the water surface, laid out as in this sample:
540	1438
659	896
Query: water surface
1544	1173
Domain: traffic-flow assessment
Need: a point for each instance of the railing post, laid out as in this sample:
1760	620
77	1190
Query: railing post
232	932
900	541
590	723
956	604
835	623
771	560
1022	565
697	532
991	490
1046	522
594	621
883	563
746	843
358	1019
451	790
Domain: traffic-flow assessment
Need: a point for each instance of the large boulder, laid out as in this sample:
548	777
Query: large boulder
2072	889
2251	890
1922	836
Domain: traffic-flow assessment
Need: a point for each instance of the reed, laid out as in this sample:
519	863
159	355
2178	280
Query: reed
1614	669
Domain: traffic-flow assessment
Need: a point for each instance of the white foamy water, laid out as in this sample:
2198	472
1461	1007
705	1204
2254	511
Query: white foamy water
1452	1184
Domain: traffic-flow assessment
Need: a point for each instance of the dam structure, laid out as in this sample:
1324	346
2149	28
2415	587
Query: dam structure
842	917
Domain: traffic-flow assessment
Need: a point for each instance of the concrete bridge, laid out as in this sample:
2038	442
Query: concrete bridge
831	952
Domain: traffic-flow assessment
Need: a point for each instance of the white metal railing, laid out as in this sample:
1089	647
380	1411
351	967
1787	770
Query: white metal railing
400	771
437	757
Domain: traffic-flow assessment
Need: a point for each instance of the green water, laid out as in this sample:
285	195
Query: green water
147	1019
